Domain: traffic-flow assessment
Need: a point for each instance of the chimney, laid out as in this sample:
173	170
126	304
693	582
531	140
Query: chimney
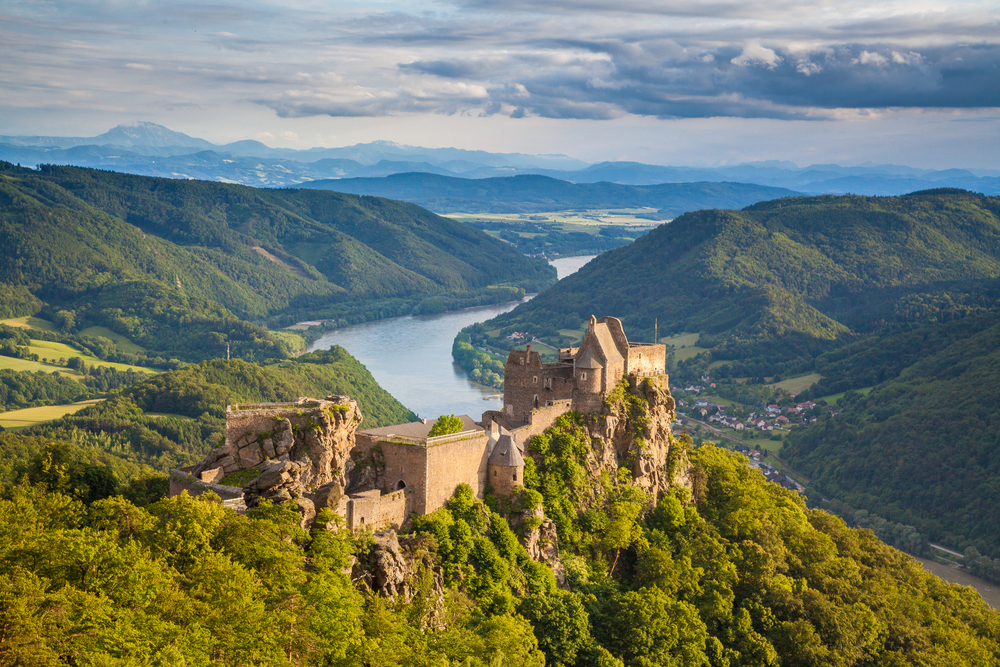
527	350
494	430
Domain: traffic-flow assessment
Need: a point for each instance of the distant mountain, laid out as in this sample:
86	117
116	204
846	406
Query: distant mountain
153	150
529	193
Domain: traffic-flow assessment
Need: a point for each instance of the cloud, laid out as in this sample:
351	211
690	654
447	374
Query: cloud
755	54
869	58
564	59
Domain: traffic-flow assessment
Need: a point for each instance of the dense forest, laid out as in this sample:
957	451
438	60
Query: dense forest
183	267
896	295
729	571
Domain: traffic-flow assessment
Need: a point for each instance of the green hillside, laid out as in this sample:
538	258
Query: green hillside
175	418
922	447
900	293
180	267
781	279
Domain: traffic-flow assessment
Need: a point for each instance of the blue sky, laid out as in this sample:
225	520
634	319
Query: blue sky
666	81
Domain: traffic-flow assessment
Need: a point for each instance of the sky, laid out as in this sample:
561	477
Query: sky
678	82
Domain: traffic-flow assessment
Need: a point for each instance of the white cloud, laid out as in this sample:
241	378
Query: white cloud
291	136
808	68
141	66
755	54
911	58
870	58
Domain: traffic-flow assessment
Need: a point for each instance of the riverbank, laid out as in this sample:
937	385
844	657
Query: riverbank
989	592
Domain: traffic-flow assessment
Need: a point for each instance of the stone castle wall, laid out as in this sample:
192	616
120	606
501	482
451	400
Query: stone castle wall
647	358
453	463
371	509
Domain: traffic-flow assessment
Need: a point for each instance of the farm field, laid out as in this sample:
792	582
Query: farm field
18	419
123	343
50	350
833	399
11	363
680	354
685	339
586	218
798	385
30	323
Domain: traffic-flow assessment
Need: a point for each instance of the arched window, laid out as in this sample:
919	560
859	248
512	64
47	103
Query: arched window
534	379
583	375
400	485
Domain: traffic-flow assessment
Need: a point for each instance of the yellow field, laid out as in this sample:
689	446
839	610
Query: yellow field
799	384
13	364
123	343
30	323
49	350
591	218
16	419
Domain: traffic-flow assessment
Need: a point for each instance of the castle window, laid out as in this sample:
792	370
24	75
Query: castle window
494	473
534	379
583	375
515	475
400	485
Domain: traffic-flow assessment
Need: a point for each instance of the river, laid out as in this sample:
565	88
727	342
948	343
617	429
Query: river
410	357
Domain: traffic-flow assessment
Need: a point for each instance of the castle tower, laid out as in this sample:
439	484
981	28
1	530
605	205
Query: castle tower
506	465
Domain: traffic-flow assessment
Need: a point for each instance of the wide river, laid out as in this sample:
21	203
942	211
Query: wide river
410	357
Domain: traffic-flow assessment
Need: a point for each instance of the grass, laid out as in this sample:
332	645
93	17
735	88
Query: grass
46	349
170	414
240	477
10	363
685	339
688	352
832	399
296	343
123	343
539	346
575	334
30	323
798	385
18	419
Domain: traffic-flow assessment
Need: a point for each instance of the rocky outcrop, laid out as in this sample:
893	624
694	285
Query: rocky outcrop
404	569
634	432
300	449
542	545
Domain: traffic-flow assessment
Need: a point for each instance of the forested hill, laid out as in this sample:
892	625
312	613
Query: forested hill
135	253
788	277
899	297
530	193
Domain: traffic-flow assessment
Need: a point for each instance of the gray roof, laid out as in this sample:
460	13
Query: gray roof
507	452
588	360
420	429
603	334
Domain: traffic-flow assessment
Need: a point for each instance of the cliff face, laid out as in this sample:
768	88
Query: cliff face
633	432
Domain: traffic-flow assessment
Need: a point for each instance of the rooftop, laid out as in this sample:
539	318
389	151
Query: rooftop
419	430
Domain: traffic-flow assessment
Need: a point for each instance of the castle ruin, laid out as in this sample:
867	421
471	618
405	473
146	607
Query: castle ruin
310	452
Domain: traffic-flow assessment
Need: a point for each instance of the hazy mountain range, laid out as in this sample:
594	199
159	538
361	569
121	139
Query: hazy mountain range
153	150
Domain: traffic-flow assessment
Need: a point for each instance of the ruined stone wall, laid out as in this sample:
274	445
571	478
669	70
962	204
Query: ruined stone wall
407	464
450	464
521	383
647	358
392	509
182	480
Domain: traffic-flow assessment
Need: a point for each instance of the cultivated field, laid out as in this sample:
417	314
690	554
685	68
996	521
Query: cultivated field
798	385
123	343
17	419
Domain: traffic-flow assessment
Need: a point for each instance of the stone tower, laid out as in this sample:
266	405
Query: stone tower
506	464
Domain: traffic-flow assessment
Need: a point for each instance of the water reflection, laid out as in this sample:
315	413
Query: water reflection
410	357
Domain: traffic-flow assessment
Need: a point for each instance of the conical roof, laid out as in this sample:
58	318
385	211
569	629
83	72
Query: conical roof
507	452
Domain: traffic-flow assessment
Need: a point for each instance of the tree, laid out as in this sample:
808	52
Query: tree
445	425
